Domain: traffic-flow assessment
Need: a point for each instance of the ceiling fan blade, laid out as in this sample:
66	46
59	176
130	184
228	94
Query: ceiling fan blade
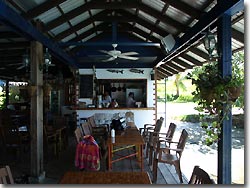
128	57
14	64
130	53
20	67
109	59
104	51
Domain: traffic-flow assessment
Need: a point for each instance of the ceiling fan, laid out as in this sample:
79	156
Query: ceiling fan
25	62
118	54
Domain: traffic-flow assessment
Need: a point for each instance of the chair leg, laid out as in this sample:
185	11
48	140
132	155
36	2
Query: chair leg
178	170
150	155
147	146
155	166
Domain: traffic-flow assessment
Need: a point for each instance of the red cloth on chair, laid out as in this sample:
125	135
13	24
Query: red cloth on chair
87	154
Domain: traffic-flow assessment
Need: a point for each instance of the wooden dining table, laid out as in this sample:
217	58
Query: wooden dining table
98	177
126	139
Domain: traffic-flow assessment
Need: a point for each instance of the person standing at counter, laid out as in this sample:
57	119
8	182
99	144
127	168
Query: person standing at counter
130	100
106	99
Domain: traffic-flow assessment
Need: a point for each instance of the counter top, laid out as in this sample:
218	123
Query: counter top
79	108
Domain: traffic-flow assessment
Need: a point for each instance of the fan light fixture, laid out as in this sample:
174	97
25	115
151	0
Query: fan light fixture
47	61
25	62
210	43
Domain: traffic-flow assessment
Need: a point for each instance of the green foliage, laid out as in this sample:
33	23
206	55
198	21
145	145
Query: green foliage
185	90
213	94
2	101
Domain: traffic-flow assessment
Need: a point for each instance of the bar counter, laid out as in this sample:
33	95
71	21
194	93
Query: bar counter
141	115
120	108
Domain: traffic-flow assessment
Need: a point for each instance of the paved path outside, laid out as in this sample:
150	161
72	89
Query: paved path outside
196	153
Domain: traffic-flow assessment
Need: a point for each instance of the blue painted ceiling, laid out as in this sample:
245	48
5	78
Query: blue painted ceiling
75	32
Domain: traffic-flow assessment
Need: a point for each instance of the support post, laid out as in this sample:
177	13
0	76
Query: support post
36	123
225	65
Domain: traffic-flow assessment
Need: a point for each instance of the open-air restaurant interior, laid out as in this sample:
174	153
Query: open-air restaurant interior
87	73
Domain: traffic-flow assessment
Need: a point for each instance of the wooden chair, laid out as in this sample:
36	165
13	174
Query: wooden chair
100	134
86	128
200	176
163	155
153	139
151	129
6	175
12	140
78	134
51	138
59	122
94	129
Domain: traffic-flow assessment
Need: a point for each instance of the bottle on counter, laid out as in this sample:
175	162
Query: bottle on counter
113	133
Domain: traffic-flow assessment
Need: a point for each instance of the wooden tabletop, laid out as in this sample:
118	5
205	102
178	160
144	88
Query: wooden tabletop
105	178
126	137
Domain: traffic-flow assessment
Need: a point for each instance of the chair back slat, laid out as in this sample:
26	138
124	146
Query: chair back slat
6	175
86	128
171	131
182	141
158	125
78	134
200	176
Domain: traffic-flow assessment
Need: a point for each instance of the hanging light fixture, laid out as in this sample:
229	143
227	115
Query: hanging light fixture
152	74
25	62
210	43
47	59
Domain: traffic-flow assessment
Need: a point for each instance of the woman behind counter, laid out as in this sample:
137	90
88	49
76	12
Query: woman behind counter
131	100
106	99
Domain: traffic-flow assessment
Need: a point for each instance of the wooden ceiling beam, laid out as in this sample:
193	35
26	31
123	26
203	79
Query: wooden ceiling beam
199	52
141	33
164	71
144	23
184	7
160	75
166	67
11	52
68	16
8	35
79	26
40	9
238	36
113	5
87	6
191	59
182	63
163	18
85	34
14	45
175	66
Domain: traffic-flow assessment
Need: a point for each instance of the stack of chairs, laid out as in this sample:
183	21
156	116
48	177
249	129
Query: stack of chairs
100	134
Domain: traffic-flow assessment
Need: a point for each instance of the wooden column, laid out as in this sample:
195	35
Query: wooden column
36	123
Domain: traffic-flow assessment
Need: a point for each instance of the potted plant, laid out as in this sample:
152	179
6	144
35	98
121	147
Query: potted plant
214	94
